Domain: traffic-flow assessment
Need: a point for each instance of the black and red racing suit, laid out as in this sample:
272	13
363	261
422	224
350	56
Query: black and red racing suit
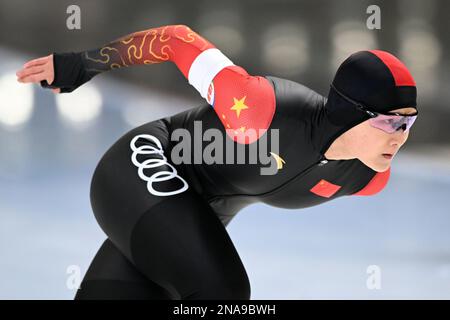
150	206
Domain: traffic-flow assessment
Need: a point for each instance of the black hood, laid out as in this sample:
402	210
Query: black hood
377	80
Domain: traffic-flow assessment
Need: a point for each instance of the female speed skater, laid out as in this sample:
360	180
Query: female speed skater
166	221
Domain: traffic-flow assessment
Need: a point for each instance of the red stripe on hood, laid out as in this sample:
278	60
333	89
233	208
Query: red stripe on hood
399	71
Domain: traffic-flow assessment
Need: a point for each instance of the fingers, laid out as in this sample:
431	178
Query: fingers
36	70
37	77
36	62
33	69
29	71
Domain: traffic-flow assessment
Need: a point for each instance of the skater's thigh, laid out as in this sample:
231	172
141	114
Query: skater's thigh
112	276
183	246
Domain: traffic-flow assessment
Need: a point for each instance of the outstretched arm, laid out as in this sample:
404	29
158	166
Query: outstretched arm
241	101
175	43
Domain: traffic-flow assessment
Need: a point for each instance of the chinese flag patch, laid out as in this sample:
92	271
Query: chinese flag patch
325	189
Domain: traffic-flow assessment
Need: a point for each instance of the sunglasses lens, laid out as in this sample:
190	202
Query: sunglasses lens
390	124
410	121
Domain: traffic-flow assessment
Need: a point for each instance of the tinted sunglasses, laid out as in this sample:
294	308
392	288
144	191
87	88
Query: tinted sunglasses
388	122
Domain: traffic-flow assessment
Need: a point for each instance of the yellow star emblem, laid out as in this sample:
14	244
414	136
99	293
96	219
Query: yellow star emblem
239	105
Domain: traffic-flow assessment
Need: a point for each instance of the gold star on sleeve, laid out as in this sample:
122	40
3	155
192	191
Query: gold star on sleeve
239	105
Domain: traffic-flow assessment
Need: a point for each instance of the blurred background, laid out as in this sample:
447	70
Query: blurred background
50	144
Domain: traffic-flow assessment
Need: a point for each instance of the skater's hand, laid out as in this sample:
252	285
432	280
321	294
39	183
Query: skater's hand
37	70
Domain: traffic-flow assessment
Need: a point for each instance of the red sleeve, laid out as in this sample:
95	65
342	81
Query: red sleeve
245	104
376	184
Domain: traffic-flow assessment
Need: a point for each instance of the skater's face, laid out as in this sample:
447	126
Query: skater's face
375	147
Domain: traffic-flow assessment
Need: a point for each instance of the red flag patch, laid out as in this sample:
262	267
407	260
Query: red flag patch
325	189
